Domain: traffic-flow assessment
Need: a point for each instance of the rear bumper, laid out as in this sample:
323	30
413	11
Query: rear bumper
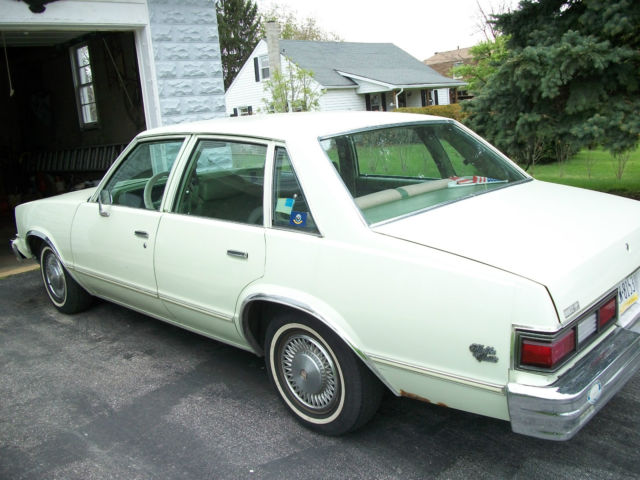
560	410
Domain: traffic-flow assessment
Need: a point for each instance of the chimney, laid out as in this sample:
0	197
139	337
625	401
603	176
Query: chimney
273	45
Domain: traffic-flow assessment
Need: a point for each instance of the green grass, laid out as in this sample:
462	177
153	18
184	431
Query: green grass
595	170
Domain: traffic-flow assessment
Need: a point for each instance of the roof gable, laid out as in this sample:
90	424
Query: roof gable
380	62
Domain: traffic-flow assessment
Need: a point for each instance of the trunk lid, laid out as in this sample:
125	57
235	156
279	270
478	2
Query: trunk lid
578	243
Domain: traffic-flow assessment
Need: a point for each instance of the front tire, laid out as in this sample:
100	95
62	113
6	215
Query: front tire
318	377
64	292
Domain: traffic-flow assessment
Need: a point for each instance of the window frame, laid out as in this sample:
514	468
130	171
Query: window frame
263	64
169	191
273	191
79	85
186	162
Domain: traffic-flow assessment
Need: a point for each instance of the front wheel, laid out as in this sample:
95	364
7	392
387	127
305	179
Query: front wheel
318	377
64	292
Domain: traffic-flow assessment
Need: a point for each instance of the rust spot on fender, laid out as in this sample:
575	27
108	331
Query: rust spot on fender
413	396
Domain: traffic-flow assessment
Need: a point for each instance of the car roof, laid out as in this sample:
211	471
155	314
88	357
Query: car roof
282	126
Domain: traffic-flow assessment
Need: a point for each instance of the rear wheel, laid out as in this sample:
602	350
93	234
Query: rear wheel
318	377
64	292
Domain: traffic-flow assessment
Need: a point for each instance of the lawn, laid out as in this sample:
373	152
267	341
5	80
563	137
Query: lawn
596	170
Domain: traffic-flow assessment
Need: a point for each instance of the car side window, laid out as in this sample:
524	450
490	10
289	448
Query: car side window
290	209
224	180
141	178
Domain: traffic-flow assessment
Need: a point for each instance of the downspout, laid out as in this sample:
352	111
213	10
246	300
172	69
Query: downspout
397	95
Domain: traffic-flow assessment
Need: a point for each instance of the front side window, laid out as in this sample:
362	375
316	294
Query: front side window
225	181
140	179
395	171
85	89
289	207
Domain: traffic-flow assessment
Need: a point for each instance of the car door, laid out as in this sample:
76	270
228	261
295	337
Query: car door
212	243
113	240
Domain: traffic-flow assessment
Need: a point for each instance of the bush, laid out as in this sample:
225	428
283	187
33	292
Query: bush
449	111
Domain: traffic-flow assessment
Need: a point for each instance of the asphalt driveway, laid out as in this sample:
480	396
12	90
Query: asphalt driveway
111	394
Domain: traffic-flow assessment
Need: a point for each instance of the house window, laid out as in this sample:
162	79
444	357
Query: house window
263	61
83	80
244	111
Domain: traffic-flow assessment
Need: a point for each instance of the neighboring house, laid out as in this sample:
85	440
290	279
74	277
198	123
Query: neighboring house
85	76
351	76
443	63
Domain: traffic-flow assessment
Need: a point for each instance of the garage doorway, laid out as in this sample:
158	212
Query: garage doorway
69	103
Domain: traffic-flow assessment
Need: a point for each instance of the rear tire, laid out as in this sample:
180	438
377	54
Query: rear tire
318	377
64	292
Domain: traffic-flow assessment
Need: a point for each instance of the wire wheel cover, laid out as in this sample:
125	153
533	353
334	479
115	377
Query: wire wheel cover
309	372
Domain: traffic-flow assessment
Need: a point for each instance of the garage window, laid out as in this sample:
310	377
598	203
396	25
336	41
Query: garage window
83	80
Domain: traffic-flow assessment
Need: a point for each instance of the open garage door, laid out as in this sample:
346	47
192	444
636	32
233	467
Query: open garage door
69	103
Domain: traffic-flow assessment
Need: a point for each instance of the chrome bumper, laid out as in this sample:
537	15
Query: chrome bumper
560	410
16	251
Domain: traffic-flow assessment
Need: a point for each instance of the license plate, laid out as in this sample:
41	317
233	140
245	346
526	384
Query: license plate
628	292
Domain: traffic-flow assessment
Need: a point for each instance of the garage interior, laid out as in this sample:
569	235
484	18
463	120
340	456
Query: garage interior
70	101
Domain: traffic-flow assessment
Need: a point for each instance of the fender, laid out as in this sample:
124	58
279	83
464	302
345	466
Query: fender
310	306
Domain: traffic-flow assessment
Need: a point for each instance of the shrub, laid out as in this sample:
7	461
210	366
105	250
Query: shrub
449	111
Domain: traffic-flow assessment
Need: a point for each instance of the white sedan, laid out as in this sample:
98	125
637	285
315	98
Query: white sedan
359	252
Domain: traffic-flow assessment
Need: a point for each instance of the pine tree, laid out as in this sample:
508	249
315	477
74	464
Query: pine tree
239	32
571	78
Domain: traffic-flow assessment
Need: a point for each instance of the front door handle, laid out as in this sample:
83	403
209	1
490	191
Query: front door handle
238	254
141	234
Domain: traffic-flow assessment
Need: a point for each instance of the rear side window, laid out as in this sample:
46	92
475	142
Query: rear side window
290	209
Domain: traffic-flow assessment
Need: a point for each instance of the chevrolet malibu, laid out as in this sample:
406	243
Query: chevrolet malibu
359	252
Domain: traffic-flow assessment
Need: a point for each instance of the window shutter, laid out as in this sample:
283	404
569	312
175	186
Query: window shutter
423	95
383	97
235	112
250	110
256	68
367	100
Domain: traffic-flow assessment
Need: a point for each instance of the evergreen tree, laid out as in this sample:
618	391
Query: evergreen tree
571	78
239	32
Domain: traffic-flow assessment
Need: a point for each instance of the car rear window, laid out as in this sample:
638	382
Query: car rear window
396	171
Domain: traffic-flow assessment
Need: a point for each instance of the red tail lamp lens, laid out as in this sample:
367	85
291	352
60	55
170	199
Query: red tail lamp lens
541	354
607	312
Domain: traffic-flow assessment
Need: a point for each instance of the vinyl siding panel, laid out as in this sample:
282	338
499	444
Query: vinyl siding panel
342	99
245	91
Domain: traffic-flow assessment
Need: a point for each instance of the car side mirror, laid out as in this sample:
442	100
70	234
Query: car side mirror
104	199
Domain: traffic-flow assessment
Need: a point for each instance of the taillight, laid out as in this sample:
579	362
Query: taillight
539	353
607	312
548	351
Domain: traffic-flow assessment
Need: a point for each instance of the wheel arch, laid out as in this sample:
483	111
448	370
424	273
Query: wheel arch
36	241
259	309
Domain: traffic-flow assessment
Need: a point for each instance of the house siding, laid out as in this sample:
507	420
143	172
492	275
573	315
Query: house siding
245	91
443	96
342	99
188	67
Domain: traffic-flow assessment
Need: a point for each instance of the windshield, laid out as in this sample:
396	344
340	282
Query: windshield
396	171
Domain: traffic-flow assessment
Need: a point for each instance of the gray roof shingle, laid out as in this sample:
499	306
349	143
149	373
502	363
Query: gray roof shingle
383	62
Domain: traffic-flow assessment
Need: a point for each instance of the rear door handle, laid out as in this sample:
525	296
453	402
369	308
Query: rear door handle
238	254
141	234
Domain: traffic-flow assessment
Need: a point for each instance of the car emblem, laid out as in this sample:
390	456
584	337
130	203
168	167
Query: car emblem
483	354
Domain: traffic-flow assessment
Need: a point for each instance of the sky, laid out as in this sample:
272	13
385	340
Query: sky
420	27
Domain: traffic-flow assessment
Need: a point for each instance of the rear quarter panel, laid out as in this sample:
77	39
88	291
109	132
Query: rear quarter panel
415	312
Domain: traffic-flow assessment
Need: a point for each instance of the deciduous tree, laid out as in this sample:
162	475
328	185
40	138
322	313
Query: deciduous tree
291	90
294	28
